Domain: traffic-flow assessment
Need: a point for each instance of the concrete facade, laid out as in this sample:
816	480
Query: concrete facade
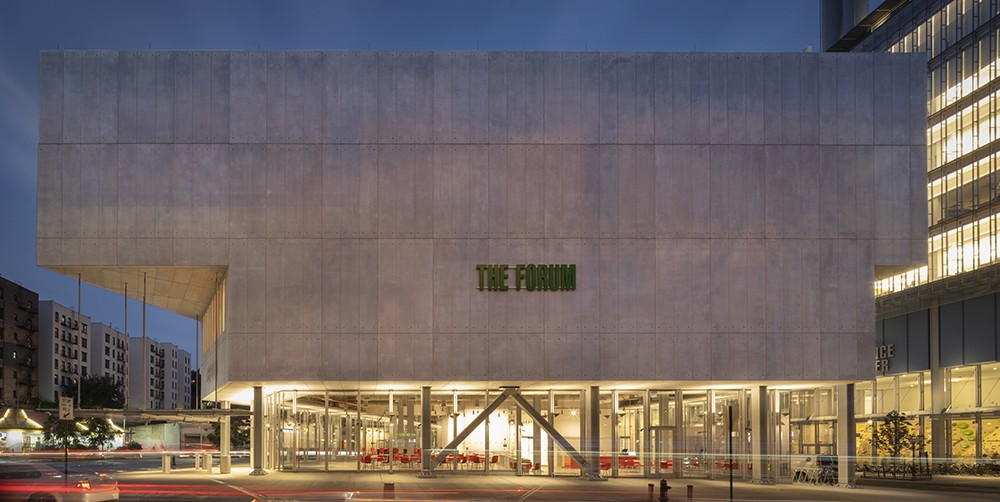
725	212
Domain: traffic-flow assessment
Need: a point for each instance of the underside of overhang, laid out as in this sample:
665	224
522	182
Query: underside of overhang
185	290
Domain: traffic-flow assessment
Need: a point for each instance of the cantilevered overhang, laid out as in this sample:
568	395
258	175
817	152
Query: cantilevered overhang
186	290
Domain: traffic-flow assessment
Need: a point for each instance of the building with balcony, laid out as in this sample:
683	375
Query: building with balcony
65	353
167	372
18	345
109	349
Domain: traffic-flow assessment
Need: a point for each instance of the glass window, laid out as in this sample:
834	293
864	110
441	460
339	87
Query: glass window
991	385
991	437
885	394
963	387
963	439
909	393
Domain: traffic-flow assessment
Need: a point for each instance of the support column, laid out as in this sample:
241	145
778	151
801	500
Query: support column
257	447
536	437
759	410
645	454
486	435
940	398
679	436
225	440
846	436
518	465
615	446
594	431
425	433
551	417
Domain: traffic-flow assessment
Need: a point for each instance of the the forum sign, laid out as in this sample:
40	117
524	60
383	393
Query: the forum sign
530	277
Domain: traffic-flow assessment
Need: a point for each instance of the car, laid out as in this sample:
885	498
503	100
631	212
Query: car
37	482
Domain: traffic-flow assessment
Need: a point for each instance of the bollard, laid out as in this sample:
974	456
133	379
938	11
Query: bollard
389	490
650	498
167	462
206	463
663	490
690	493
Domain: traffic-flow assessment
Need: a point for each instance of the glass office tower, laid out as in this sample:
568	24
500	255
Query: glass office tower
940	321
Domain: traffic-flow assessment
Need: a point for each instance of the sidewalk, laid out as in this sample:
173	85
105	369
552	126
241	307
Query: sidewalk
984	484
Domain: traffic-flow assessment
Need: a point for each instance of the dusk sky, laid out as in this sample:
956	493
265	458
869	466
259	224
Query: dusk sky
27	27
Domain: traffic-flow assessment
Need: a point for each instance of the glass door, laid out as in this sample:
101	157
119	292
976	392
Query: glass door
664	460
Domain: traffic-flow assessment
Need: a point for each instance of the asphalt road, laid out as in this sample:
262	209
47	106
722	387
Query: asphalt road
141	480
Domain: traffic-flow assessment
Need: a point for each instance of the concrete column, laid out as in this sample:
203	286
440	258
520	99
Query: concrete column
551	443
759	410
536	435
518	465
615	446
679	440
225	440
486	435
594	431
846	437
257	447
425	432
940	398
645	455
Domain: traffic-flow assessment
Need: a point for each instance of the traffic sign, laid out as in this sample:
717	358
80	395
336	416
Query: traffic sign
65	408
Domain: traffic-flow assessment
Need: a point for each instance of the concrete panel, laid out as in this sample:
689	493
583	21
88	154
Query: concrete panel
737	66
682	288
902	107
718	107
700	98
828	101
883	92
163	118
846	100
72	99
405	269
791	98
773	103
50	97
809	99
754	84
863	128
184	100
681	87
663	98
202	78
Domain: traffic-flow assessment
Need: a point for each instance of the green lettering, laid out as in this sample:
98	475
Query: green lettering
529	277
518	276
569	278
503	277
543	277
480	268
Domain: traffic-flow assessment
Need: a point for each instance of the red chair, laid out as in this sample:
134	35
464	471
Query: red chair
366	461
495	459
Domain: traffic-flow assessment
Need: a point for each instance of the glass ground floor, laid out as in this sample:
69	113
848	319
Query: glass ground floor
697	433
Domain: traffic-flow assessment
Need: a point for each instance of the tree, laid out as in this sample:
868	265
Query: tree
99	433
98	391
894	433
59	433
239	433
